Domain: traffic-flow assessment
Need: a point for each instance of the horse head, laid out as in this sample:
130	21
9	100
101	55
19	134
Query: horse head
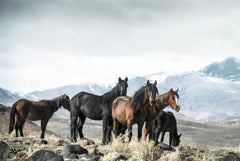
123	86
176	140
173	99
151	91
66	102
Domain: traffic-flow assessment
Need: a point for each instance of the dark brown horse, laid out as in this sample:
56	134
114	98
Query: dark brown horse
166	122
35	110
167	99
130	110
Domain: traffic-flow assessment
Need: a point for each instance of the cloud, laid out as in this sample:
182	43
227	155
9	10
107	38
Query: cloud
87	39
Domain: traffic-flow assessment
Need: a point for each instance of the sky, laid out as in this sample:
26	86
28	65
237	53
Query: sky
51	43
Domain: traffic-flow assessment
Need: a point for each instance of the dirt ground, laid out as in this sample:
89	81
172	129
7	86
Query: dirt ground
203	135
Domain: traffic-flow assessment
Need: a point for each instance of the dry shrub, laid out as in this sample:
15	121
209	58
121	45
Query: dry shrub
133	151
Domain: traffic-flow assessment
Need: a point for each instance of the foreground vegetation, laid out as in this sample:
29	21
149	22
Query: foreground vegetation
21	149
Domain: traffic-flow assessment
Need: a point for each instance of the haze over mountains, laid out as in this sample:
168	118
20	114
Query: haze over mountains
209	94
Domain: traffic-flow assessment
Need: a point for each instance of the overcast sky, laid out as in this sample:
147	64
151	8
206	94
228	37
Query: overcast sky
51	43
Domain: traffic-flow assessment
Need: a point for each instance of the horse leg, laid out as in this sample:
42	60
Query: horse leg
157	133
80	125
115	127
43	127
73	127
105	120
109	130
162	137
140	126
16	128
21	127
147	131
170	138
129	127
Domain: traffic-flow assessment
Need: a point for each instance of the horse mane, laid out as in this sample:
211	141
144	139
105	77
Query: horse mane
138	98
111	95
55	102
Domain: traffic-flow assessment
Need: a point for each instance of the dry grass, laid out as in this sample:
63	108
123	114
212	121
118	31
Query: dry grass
132	151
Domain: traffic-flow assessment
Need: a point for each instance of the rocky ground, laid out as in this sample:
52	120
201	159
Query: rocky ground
215	141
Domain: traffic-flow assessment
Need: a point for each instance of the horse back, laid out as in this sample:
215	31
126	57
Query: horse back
121	109
32	110
90	105
166	121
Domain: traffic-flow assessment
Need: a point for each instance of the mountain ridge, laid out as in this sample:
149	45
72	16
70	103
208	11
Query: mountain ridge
203	96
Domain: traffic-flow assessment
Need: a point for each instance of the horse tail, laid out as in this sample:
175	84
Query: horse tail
12	118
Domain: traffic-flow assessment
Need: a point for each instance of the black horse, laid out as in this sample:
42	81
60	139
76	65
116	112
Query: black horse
166	122
95	107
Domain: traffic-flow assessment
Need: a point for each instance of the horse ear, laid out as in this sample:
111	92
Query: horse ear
171	90
155	83
179	135
177	90
119	79
126	79
148	83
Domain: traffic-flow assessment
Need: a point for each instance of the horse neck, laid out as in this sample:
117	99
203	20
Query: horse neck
175	133
138	100
56	102
111	95
164	101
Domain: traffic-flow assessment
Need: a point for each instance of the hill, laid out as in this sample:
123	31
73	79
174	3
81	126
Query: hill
199	141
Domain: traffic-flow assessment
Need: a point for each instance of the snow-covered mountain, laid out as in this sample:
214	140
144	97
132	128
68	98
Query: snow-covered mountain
72	90
227	69
7	96
209	94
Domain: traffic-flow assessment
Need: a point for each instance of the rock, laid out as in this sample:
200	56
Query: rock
61	143
166	147
71	151
76	149
45	155
43	142
4	150
95	157
92	149
231	156
121	157
84	142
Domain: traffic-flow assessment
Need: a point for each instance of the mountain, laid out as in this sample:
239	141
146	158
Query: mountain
72	90
7	97
227	69
207	95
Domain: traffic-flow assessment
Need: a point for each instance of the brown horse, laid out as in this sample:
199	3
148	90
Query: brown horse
166	122
35	110
167	99
130	110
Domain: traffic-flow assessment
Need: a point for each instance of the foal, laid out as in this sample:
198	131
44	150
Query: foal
166	122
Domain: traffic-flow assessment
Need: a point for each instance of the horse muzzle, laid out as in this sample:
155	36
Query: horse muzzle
177	109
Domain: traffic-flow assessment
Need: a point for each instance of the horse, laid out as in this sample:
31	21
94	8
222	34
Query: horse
166	122
169	98
95	107
35	110
127	111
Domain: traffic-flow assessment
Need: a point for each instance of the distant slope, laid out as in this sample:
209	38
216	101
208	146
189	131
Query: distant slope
227	69
71	90
210	94
6	97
